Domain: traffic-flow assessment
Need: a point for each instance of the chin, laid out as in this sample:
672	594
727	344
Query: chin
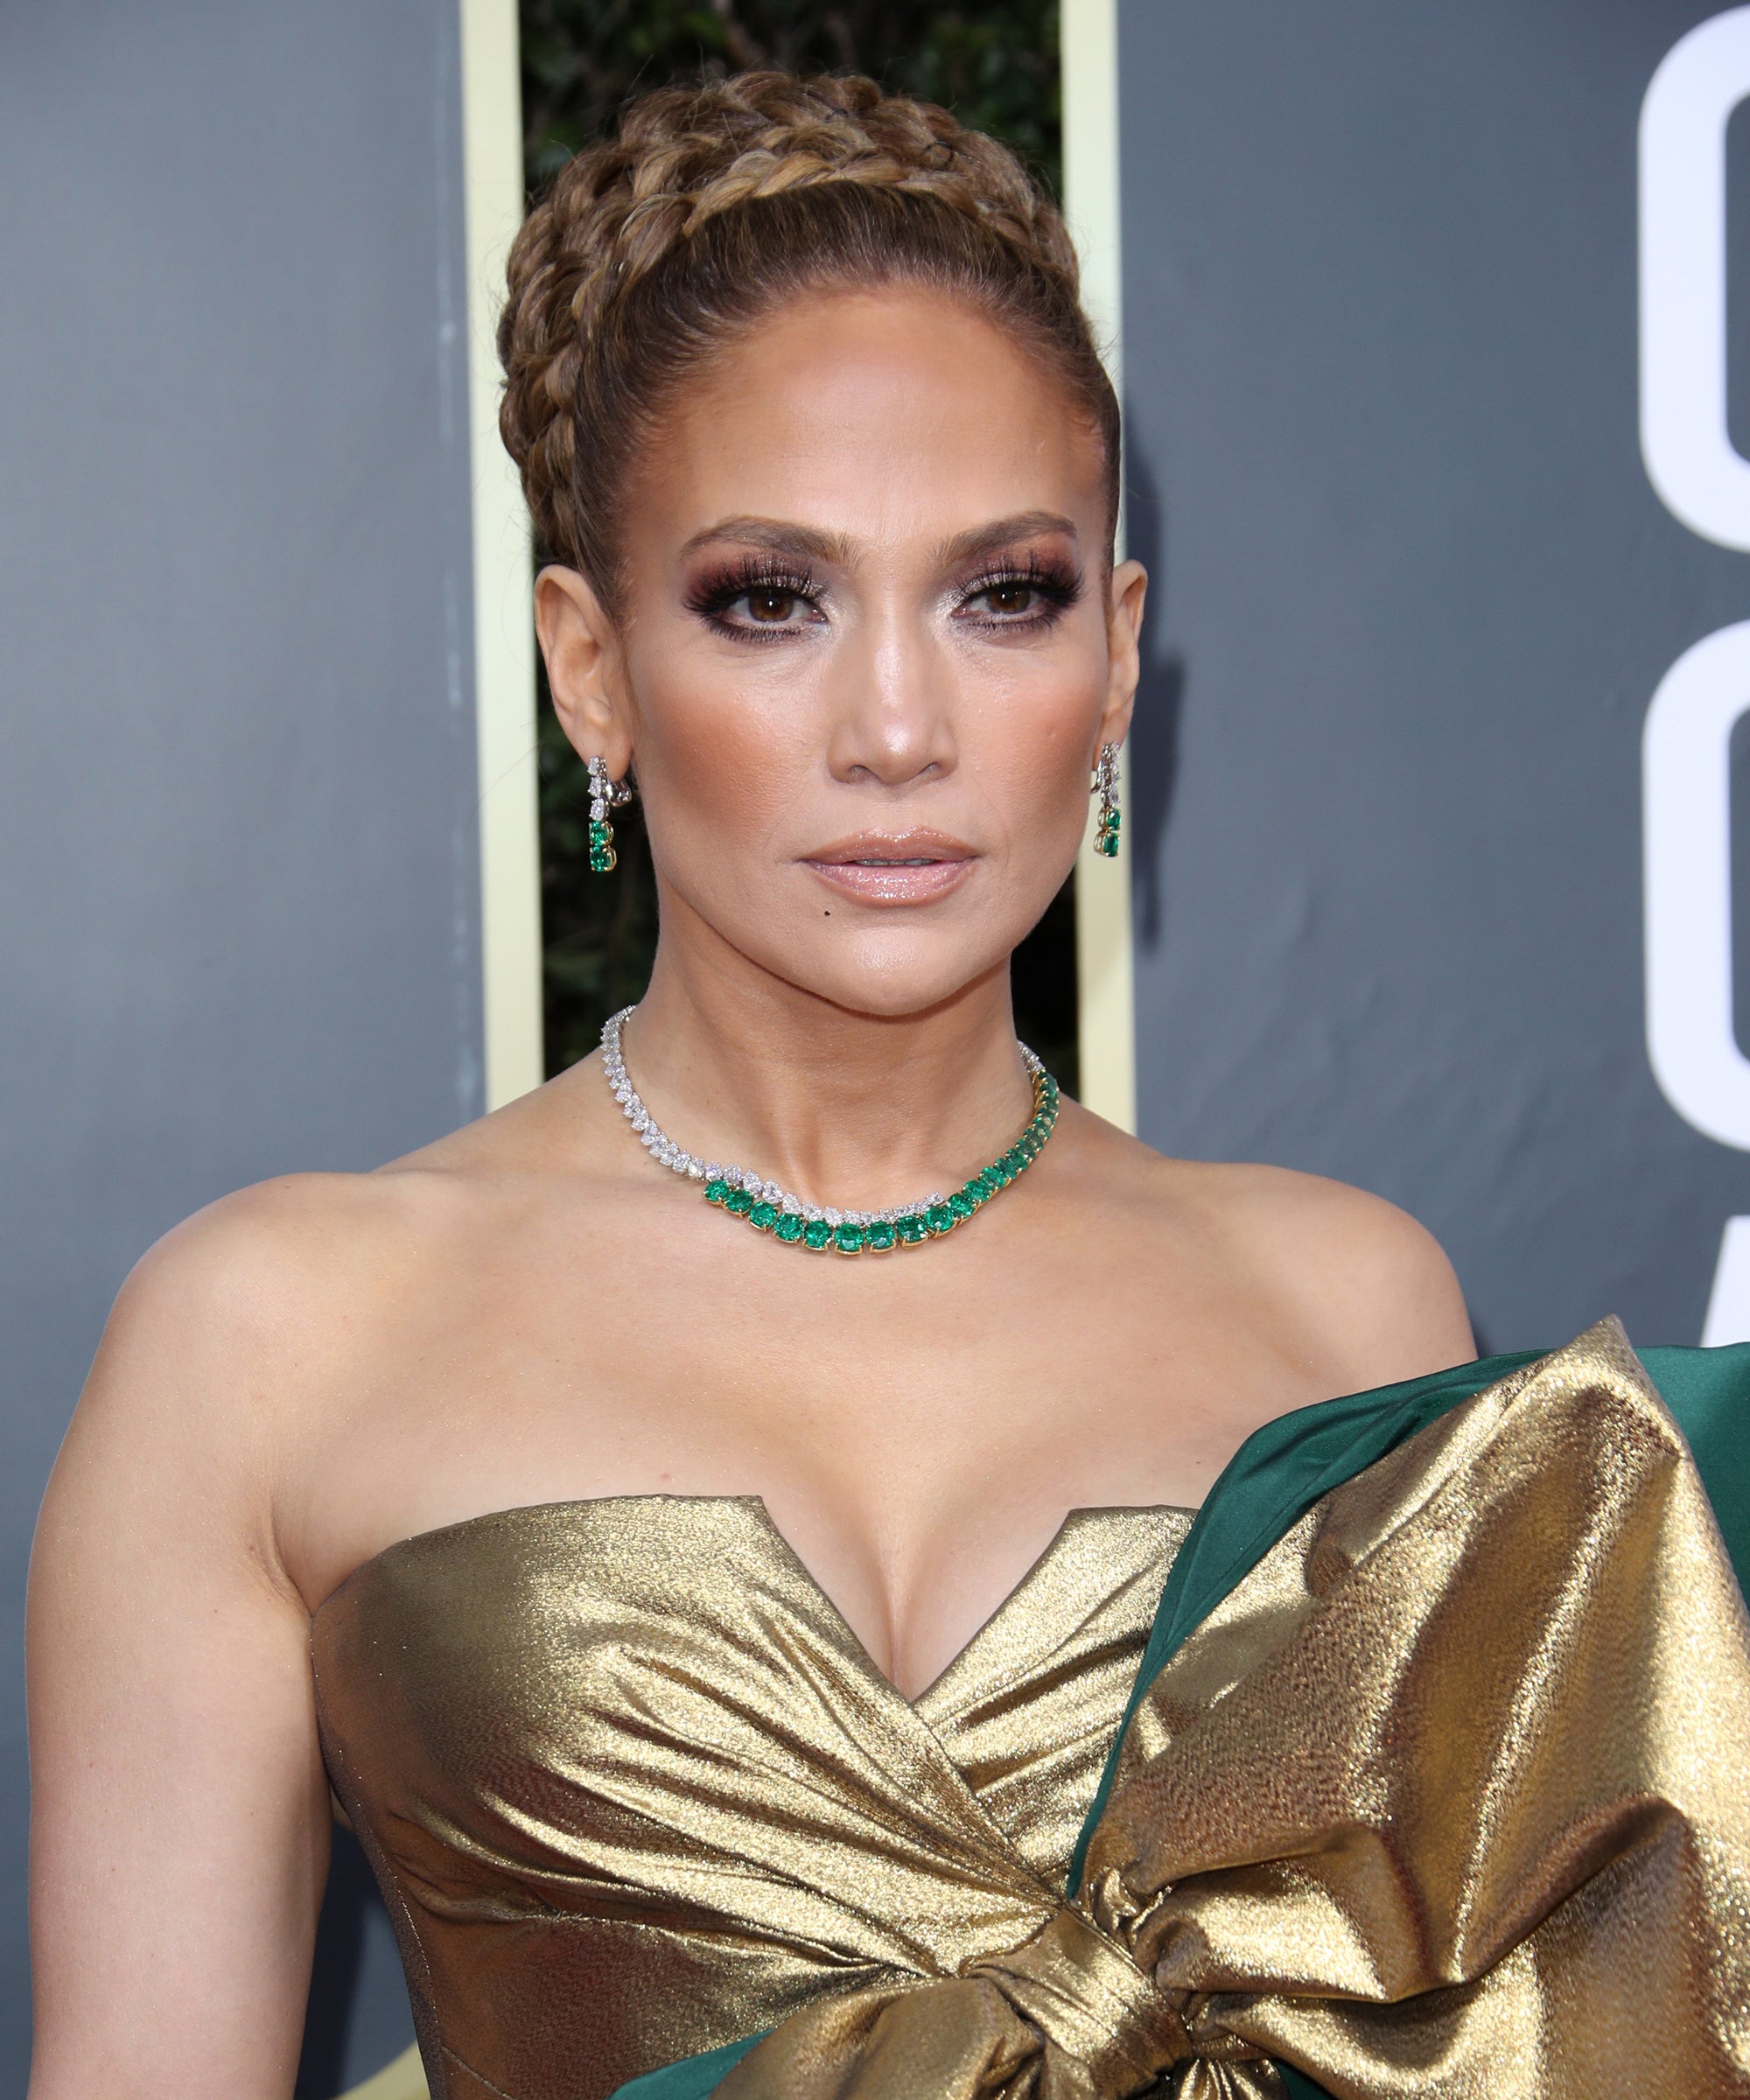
892	973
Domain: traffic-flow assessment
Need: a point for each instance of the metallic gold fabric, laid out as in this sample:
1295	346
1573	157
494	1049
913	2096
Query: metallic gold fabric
633	1790
1449	1797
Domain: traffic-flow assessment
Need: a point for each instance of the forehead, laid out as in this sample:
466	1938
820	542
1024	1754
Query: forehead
875	415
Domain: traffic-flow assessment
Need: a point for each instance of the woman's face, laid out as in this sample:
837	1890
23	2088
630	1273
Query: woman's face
867	648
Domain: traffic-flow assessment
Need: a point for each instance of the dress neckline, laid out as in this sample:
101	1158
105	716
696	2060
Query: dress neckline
586	1506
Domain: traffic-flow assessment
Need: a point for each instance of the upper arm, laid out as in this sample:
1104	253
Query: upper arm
179	1813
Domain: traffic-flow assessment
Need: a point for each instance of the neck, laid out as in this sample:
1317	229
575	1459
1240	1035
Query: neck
860	1110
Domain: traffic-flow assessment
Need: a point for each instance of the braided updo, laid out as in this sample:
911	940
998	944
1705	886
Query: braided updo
712	204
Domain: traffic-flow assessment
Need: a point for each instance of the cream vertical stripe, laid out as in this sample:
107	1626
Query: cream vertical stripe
504	637
1105	977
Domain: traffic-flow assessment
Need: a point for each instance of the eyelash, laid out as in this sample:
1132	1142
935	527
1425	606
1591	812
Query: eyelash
1054	584
1057	585
712	595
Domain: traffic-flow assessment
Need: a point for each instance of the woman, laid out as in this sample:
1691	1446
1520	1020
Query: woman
730	1590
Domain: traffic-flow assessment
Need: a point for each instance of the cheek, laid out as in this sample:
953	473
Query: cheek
1028	741
729	751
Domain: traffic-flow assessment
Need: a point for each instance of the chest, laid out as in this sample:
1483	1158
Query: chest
917	1424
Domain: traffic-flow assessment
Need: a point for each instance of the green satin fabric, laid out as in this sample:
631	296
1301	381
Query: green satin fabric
1278	1476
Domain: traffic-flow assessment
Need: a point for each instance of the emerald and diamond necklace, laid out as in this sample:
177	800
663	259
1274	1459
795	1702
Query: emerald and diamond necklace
768	1209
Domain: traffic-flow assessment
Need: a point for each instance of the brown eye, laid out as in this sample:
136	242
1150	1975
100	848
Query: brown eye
1009	599
771	608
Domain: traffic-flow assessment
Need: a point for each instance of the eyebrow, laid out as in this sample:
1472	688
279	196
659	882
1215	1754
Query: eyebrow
989	539
777	536
782	537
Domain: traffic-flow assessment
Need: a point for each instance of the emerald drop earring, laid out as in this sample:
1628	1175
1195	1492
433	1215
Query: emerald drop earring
605	794
1111	817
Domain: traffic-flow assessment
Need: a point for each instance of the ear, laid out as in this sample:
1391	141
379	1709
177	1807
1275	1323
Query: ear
584	667
1123	648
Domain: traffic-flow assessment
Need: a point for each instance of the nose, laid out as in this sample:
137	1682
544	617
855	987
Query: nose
893	704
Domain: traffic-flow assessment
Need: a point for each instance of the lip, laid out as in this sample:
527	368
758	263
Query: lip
889	867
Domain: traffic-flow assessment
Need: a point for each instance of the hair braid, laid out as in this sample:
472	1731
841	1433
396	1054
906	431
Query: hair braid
710	204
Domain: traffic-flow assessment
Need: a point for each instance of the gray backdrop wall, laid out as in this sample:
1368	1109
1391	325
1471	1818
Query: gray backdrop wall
1414	593
237	771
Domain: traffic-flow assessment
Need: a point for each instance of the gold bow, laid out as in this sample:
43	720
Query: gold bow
1068	2015
1448	1797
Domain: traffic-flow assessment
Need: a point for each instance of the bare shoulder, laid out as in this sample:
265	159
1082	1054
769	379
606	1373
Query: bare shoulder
1365	1291
289	1260
293	1267
233	1339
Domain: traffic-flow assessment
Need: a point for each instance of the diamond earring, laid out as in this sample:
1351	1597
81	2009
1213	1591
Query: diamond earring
605	794
1105	785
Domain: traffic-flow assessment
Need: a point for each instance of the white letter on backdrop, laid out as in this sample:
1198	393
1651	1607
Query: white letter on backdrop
1686	786
1690	460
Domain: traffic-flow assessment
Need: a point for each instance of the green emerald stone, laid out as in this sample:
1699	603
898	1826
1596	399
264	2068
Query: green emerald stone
940	1219
788	1228
880	1236
961	1204
716	1192
763	1216
912	1230
816	1233
740	1202
848	1239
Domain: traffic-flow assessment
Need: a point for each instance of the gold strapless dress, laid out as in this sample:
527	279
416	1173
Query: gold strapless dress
634	1788
1428	1781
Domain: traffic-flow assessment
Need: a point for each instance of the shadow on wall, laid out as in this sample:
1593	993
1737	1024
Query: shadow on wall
359	2018
1160	706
